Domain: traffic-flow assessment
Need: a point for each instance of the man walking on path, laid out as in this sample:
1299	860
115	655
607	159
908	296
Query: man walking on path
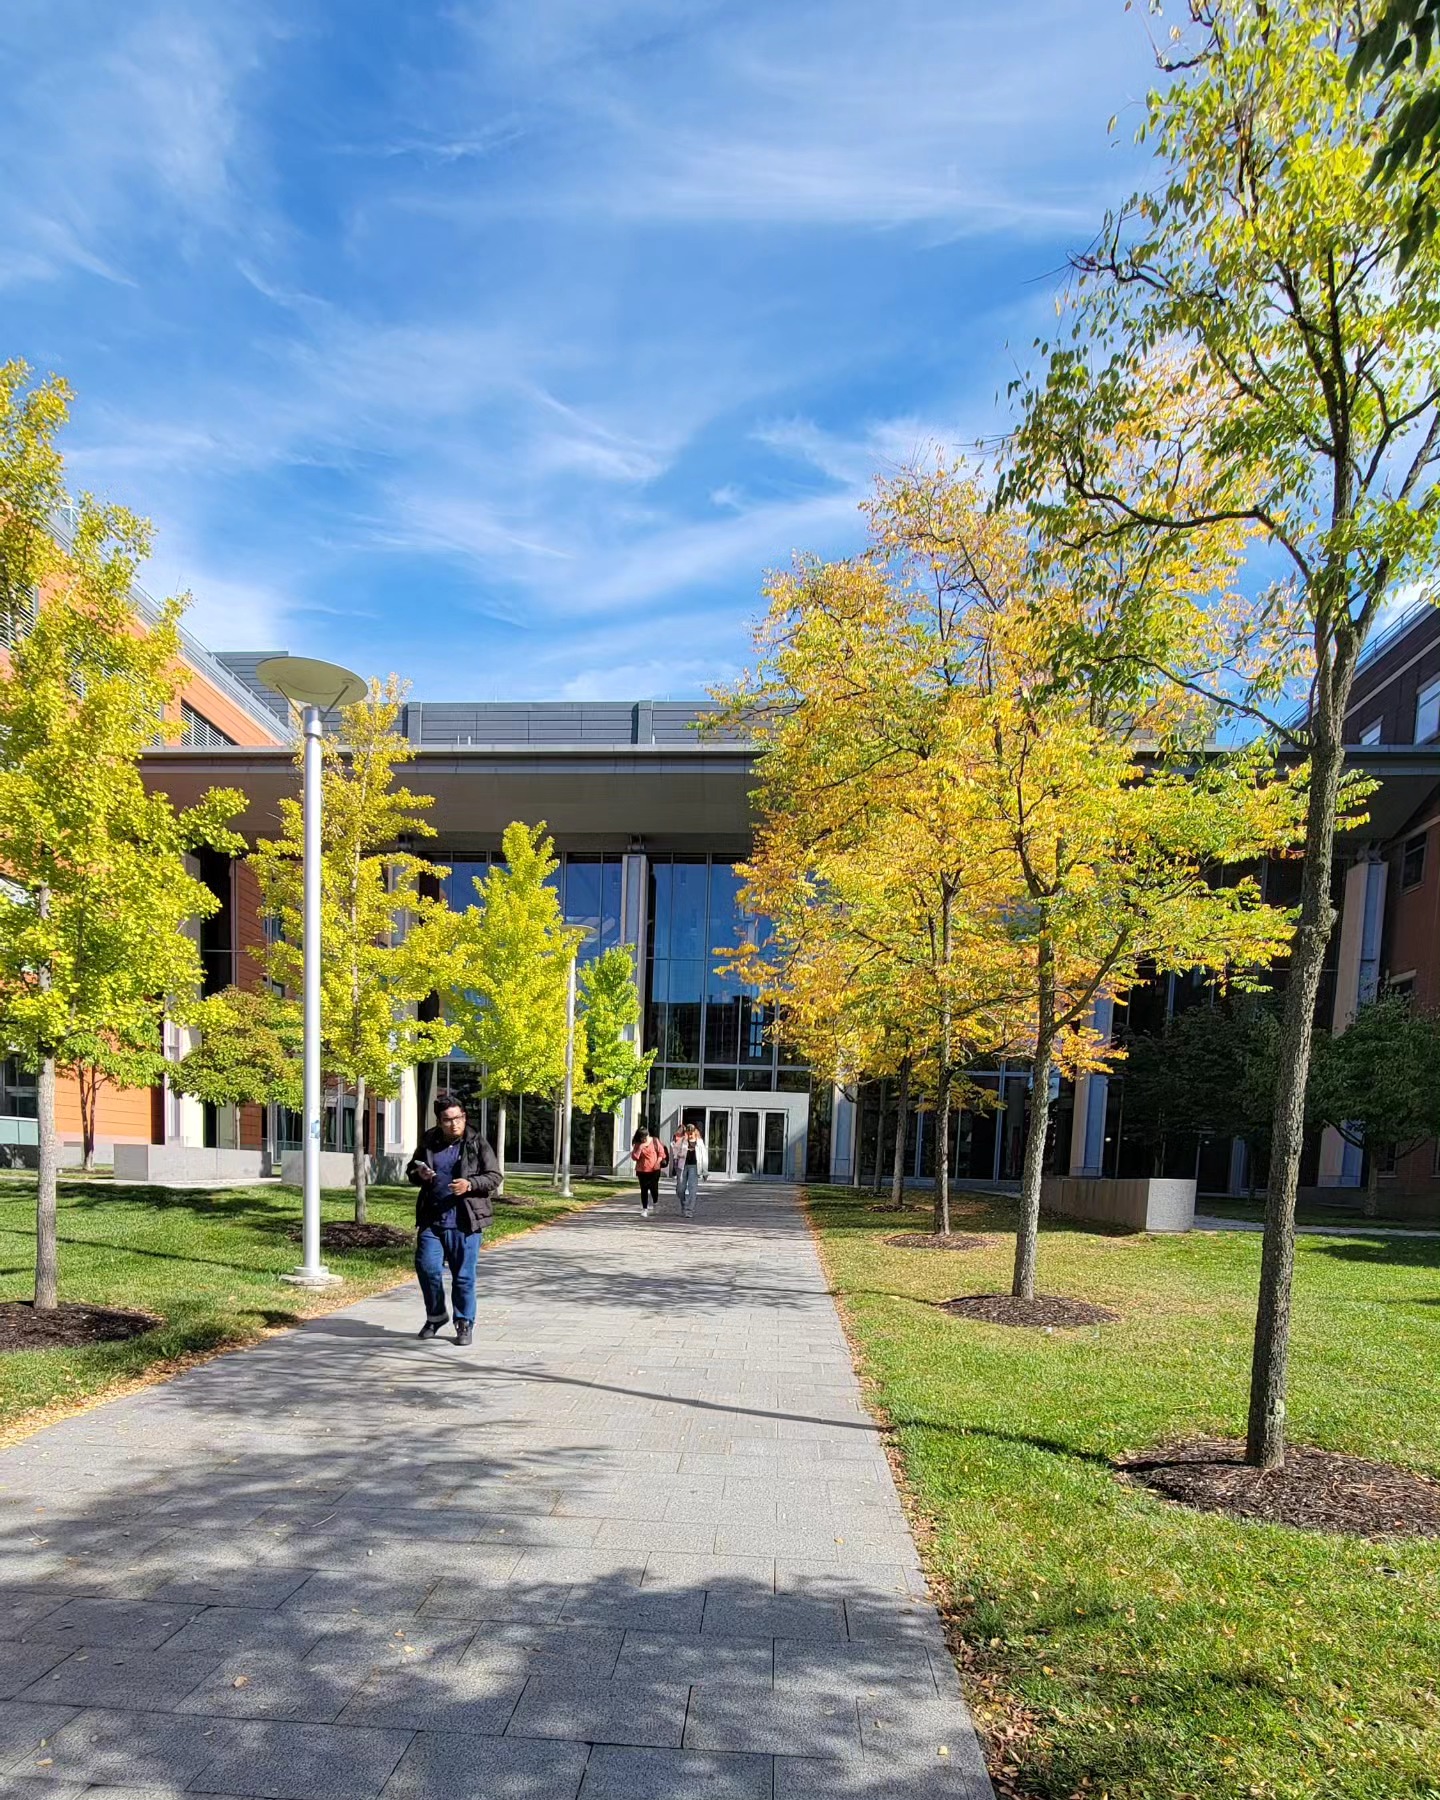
691	1167
456	1172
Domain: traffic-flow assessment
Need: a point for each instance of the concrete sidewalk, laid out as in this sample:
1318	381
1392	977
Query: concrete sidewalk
640	1543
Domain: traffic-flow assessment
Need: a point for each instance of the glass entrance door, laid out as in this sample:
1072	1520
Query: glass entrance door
714	1125
740	1140
759	1143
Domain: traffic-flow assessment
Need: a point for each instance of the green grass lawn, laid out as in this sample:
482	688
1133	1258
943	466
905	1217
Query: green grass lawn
207	1262
1226	1207
1118	1644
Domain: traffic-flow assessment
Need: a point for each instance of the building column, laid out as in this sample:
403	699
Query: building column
402	1129
1357	980
843	1120
1092	1099
634	893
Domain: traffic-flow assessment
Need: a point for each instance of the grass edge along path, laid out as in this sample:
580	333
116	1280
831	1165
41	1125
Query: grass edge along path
207	1262
1113	1644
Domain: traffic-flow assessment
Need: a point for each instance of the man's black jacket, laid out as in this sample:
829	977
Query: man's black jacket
477	1165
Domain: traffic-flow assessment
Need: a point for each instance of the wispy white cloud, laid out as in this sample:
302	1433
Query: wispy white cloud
835	113
124	128
560	320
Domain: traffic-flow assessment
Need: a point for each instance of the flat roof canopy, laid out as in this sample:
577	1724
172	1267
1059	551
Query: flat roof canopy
672	797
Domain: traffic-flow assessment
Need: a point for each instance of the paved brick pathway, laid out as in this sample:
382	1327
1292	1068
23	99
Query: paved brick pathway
641	1541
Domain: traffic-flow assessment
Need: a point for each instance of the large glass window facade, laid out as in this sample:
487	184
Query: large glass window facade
708	1028
589	886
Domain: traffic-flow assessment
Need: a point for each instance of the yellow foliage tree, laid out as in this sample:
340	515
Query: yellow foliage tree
955	762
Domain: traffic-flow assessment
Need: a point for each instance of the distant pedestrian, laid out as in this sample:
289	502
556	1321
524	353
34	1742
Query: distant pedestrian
456	1172
650	1157
691	1168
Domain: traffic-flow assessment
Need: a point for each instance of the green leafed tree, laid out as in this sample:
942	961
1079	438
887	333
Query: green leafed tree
614	1067
98	903
249	1051
1246	347
386	945
508	1000
102	1060
1211	1070
1378	1082
1395	44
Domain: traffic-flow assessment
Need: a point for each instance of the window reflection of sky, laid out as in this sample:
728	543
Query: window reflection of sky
707	1027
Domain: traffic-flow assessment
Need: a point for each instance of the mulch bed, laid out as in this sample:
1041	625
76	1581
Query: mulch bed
345	1234
935	1240
1050	1310
69	1326
1316	1490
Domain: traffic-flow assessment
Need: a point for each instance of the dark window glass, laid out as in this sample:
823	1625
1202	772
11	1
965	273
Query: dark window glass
611	882
719	1078
660	889
582	900
793	1081
747	1143
682	1027
675	1077
458	887
688	884
817	1143
217	957
1283	875
774	1153
726	927
594	1142
17	1091
1412	862
755	1045
537	1130
722	1024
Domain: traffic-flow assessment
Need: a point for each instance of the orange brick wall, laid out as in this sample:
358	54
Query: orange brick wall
222	712
123	1114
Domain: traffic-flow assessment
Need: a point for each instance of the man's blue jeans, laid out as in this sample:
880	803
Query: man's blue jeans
435	1251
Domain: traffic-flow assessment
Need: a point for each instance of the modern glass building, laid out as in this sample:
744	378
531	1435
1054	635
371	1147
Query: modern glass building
649	808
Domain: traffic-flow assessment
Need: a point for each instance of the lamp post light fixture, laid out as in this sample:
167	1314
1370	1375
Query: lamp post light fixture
565	1123
313	688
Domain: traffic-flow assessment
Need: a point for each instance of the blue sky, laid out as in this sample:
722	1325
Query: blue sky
506	344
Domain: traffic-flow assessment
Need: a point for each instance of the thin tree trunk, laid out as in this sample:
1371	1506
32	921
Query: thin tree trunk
902	1120
1265	1432
500	1139
89	1093
47	1281
1372	1183
1027	1239
590	1157
880	1138
362	1171
942	1148
1027	1234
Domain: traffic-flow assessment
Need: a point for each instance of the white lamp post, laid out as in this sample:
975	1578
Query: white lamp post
313	687
569	1075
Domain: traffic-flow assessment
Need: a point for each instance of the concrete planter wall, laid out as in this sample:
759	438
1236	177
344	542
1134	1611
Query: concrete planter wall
337	1168
1146	1203
187	1162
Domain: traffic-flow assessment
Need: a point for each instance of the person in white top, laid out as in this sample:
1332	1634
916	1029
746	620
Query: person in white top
692	1166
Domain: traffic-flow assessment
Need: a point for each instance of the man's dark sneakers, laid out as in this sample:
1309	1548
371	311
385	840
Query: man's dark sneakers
464	1334
429	1329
